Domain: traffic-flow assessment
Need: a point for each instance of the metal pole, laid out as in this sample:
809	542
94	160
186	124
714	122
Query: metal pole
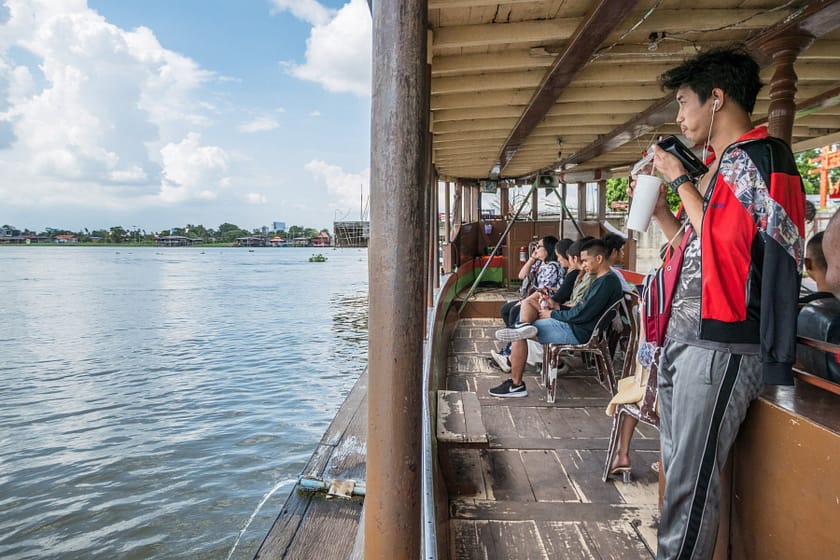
399	122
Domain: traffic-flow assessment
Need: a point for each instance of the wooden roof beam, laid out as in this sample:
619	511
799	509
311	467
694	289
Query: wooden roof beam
488	34
596	26
449	4
817	19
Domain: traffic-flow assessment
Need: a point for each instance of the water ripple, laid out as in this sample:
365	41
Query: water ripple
155	402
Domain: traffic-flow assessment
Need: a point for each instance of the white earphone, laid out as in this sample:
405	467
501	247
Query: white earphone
715	104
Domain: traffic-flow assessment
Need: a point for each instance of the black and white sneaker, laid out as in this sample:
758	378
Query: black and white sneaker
508	389
517	333
501	361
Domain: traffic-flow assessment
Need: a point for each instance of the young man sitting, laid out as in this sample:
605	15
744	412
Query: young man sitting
816	267
615	247
563	326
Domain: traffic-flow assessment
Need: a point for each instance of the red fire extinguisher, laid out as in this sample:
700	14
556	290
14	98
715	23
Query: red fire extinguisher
523	254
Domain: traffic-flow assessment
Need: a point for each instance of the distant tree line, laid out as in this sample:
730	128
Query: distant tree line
225	233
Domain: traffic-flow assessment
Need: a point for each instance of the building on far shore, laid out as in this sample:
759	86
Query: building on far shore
321	240
252	241
176	241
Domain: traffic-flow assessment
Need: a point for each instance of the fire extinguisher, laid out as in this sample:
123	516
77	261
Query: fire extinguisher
523	254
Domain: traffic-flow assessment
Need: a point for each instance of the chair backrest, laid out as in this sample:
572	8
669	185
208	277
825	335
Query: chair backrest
601	335
629	310
605	328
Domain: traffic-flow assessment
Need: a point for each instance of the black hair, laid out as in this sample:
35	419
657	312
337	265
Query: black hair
562	247
815	248
574	248
549	241
613	242
595	247
731	69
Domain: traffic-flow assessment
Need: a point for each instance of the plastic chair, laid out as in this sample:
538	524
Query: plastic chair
598	346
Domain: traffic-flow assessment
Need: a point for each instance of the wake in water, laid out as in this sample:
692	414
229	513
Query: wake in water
277	487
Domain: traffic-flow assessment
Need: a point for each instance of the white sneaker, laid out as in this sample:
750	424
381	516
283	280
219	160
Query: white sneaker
518	333
501	361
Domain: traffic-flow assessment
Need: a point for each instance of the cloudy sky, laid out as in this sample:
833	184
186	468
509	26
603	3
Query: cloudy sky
162	113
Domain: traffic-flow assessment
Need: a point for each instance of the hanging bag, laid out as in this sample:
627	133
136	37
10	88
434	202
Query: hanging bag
658	292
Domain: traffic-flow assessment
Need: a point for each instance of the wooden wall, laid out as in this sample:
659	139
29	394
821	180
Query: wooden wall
786	478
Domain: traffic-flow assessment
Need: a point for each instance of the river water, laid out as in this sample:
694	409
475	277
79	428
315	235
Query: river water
152	399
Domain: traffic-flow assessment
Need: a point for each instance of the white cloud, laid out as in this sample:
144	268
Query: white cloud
93	105
345	188
315	114
259	124
338	51
192	171
256	198
309	11
133	175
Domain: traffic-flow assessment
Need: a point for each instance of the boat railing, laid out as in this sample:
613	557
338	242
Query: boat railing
435	328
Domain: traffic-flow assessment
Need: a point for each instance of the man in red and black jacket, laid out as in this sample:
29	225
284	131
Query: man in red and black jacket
732	325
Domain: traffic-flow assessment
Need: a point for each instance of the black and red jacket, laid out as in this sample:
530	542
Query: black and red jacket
752	249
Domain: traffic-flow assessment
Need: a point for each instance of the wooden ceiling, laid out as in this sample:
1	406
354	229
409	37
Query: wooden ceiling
573	84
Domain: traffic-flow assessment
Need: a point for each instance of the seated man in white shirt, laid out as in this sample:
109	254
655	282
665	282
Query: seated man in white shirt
615	246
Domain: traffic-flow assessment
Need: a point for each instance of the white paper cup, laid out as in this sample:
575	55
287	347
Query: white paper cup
645	196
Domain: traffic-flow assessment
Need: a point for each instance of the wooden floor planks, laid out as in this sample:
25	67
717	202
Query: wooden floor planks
311	525
536	492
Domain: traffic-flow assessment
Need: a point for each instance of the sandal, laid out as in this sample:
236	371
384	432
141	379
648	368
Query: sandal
625	472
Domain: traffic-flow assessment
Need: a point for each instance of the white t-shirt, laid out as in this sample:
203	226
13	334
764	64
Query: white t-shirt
624	284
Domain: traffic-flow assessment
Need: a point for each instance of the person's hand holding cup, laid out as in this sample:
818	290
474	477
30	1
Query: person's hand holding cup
648	192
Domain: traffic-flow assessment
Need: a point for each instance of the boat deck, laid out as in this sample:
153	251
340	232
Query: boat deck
312	524
535	491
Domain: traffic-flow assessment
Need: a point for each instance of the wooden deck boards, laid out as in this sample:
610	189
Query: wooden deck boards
536	491
311	525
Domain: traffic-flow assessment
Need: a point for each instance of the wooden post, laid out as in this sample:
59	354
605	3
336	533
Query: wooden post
504	202
535	210
447	230
467	201
781	112
602	200
563	211
427	230
581	201
435	225
475	207
399	182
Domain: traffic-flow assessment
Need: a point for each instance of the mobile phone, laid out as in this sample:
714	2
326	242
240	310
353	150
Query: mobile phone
693	166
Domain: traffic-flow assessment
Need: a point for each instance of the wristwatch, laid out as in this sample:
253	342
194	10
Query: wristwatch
676	183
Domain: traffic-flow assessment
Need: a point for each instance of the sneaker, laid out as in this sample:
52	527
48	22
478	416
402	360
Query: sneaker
508	389
501	361
518	333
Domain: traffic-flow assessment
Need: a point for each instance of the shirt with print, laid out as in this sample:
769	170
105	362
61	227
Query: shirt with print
550	275
684	325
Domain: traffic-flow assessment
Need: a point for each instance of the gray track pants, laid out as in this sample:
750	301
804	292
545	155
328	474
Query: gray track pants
703	398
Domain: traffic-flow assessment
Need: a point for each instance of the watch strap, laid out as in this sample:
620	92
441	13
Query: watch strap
676	183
